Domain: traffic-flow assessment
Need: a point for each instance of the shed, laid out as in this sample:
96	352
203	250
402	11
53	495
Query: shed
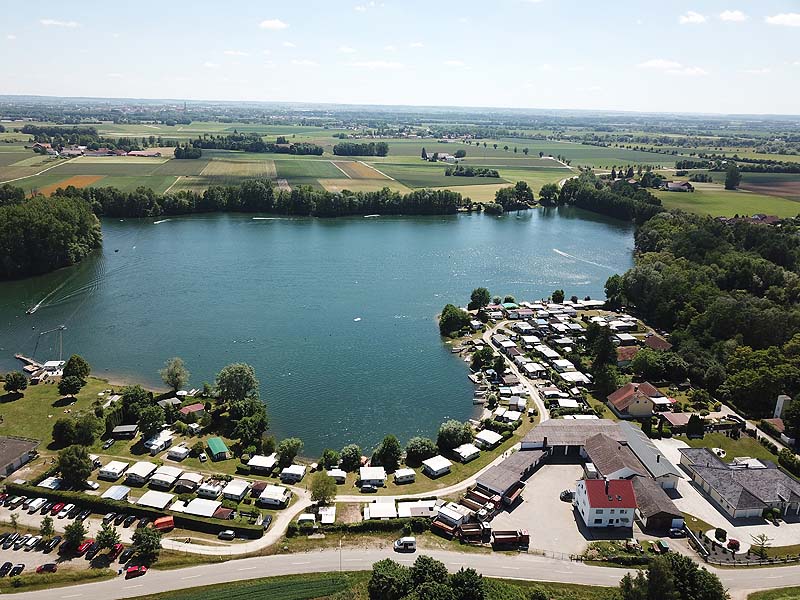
467	452
236	490
15	452
125	431
436	466
116	492
217	449
153	499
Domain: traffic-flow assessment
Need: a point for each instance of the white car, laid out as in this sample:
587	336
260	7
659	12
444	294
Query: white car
203	457
36	505
32	543
405	544
65	511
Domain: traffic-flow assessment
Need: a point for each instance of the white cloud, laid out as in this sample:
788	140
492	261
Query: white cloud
346	49
289	45
639	22
273	24
761	71
115	75
11	37
735	16
390	48
591	88
375	64
416	45
304	62
546	67
691	71
366	6
210	65
660	64
787	19
454	63
235	53
691	18
57	23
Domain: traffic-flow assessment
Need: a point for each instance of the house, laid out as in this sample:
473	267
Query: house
275	496
404	476
338	475
293	473
117	492
738	490
113	470
613	459
259	463
634	400
510	416
658	466
147	153
236	490
15	452
217	449
476	325
178	453
202	507
655	509
546	352
121	432
574	378
678	186
604	503
140	472
197	410
380	509
372	476
467	452
505	479
533	370
210	489
487	439
153	499
562	365
625	355
165	477
165	402
436	466
188	483
655	342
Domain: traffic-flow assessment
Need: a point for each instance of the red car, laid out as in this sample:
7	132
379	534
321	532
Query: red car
115	551
57	508
136	571
84	547
47	568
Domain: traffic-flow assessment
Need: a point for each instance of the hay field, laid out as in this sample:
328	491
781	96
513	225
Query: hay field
78	181
362	185
715	200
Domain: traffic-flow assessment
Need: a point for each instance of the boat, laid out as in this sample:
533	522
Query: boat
371	216
473	378
32	309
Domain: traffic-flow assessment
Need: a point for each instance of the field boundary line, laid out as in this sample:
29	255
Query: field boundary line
177	179
39	173
341	169
376	170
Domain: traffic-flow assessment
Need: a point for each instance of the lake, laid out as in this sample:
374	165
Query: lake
338	317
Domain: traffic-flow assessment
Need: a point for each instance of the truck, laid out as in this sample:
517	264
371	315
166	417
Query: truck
475	532
516	538
164	523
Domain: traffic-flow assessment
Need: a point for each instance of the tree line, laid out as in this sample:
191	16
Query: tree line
252	142
365	149
745	165
187	152
469	171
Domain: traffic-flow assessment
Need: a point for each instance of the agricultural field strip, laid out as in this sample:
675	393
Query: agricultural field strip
40	172
377	170
346	174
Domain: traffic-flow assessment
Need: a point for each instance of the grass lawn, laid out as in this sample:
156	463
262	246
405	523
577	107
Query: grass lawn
788	593
431	175
744	446
696	524
713	199
28	582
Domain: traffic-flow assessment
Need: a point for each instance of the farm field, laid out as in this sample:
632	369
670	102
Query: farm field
785	185
713	199
422	175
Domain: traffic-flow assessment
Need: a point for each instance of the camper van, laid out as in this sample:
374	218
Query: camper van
405	544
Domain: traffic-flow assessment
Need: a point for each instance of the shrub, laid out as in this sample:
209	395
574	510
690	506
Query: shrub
720	534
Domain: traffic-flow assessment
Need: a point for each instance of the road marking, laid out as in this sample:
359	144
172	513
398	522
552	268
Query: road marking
776	577
341	169
130	587
247	568
511	568
352	560
189	577
72	596
300	563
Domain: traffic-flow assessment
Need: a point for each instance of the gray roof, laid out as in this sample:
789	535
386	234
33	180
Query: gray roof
504	476
12	448
609	456
652	499
125	428
702	457
568	432
645	450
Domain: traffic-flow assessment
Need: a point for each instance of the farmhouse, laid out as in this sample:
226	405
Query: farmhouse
436	466
372	476
15	452
612	459
655	342
678	186
625	355
603	503
139	473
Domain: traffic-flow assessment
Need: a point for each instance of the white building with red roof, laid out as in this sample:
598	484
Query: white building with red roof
606	503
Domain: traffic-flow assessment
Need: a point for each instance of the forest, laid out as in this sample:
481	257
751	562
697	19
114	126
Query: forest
365	149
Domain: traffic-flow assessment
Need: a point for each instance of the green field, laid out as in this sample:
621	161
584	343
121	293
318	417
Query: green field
713	199
430	175
787	593
744	446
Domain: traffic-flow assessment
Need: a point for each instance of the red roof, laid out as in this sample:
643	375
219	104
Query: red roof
657	343
620	493
624	396
626	353
193	408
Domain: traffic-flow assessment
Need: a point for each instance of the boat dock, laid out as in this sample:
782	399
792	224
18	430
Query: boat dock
31	365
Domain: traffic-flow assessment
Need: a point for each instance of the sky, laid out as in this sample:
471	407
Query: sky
699	56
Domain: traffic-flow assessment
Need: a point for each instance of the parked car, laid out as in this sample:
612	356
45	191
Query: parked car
32	543
65	510
115	551
227	534
17	569
405	544
21	541
92	550
135	571
677	532
109	517
51	545
129	521
108	443
267	521
46	508
92	485
15	502
84	547
36	505
566	496
3	497
56	508
143	522
9	541
76	510
83	515
5	568
120	519
203	457
27	503
3	537
125	556
47	568
368	489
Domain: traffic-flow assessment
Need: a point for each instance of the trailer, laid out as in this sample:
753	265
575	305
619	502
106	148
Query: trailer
475	533
471	504
516	538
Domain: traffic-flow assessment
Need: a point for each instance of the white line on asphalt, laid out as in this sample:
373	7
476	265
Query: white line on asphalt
72	596
189	577
776	577
511	568
300	563
130	587
249	568
352	560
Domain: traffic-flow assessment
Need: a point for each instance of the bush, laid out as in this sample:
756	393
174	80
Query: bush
720	534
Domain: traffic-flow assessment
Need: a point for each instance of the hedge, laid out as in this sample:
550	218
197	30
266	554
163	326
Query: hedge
416	524
104	505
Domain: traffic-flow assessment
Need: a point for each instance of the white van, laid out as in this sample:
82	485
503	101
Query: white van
405	544
36	505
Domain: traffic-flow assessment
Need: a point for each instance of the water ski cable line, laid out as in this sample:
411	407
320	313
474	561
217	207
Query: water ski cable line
583	260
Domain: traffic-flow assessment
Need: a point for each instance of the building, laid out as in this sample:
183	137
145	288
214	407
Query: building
165	477
658	466
739	490
487	439
380	509
505	479
117	492
372	476
436	466
140	472
113	470
178	453
188	482
236	490
259	463
467	452
153	499
634	400
159	442
15	452
626	354
405	476
201	507
568	437
164	403
655	342
655	510
612	459
338	475
678	186
604	503
293	473
275	496
128	432
210	489
197	409
217	449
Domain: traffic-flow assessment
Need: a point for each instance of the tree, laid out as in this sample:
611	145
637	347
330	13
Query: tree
174	374
323	487
69	386
147	544
15	382
548	195
419	449
107	537
424	154
74	533
426	569
87	428
732	176
509	299
46	529
75	466
388	453
558	296
460	153
14	517
525	151
329	458
63	432
660	581
452	320
614	291
237	382
77	366
647	363
134	399
760	543
389	581
287	450
695	427
791	416
350	458
479	298
467	584
481	358
453	434
151	418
